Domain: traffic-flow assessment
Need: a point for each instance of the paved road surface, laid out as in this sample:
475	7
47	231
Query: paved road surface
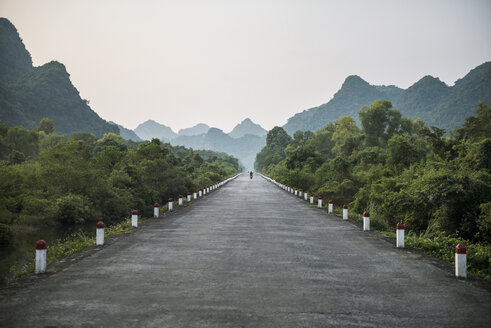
249	255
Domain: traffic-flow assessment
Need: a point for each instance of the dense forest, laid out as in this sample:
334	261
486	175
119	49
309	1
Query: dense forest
396	168
47	178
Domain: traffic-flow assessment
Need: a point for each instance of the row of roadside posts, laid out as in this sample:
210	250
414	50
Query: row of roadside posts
41	244
460	250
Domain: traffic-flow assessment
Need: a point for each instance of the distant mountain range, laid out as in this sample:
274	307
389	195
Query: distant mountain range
28	94
429	99
243	142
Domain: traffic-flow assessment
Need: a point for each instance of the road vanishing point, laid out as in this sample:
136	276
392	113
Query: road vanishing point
249	255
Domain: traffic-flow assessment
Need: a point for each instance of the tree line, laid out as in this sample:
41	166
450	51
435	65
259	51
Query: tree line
48	178
396	168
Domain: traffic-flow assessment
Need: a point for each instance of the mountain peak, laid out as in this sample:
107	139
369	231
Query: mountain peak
15	60
195	130
247	126
151	129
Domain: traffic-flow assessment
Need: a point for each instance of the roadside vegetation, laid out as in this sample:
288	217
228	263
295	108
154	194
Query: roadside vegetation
400	170
50	179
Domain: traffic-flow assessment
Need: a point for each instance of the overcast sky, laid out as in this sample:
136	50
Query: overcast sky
218	62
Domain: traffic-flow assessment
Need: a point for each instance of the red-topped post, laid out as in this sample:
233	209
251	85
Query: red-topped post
330	207
156	210
400	235
319	201
460	261
311	198
40	257
134	218
170	204
195	195
305	195
189	196
366	221
180	200
345	212
99	233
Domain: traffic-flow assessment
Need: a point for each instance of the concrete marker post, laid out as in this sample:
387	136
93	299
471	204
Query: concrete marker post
40	257
180	200
460	261
330	207
99	232
366	221
189	197
195	195
170	204
311	198
319	201
296	192
300	193
400	235
156	210
200	192
305	195
345	212
134	218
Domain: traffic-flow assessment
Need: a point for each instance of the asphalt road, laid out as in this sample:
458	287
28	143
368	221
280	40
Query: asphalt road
249	255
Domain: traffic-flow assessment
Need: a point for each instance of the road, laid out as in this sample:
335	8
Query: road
249	255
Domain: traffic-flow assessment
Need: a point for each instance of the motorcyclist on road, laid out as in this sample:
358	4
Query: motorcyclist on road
250	173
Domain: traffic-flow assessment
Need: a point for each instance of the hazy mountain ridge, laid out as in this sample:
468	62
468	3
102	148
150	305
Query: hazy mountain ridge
194	130
429	99
151	129
247	127
28	94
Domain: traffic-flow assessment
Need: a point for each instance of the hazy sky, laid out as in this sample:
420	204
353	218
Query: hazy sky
218	62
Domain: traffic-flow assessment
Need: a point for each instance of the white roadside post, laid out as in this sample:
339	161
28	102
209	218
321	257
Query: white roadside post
292	190
180	200
200	192
305	195
311	198
300	193
345	212
400	235
319	201
189	197
134	218
366	221
460	261
156	210
171	204
195	195
40	257
99	233
330	207
296	192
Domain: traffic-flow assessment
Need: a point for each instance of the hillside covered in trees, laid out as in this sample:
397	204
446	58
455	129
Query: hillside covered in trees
396	168
428	99
28	94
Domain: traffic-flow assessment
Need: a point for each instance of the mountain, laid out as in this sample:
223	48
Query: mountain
28	94
244	148
127	133
195	130
429	99
15	60
247	127
151	129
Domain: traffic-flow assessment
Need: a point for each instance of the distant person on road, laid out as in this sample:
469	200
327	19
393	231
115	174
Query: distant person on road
250	173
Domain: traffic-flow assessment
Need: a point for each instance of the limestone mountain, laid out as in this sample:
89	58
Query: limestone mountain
429	99
151	129
247	127
195	130
28	94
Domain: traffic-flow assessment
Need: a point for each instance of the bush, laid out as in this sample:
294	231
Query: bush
72	209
